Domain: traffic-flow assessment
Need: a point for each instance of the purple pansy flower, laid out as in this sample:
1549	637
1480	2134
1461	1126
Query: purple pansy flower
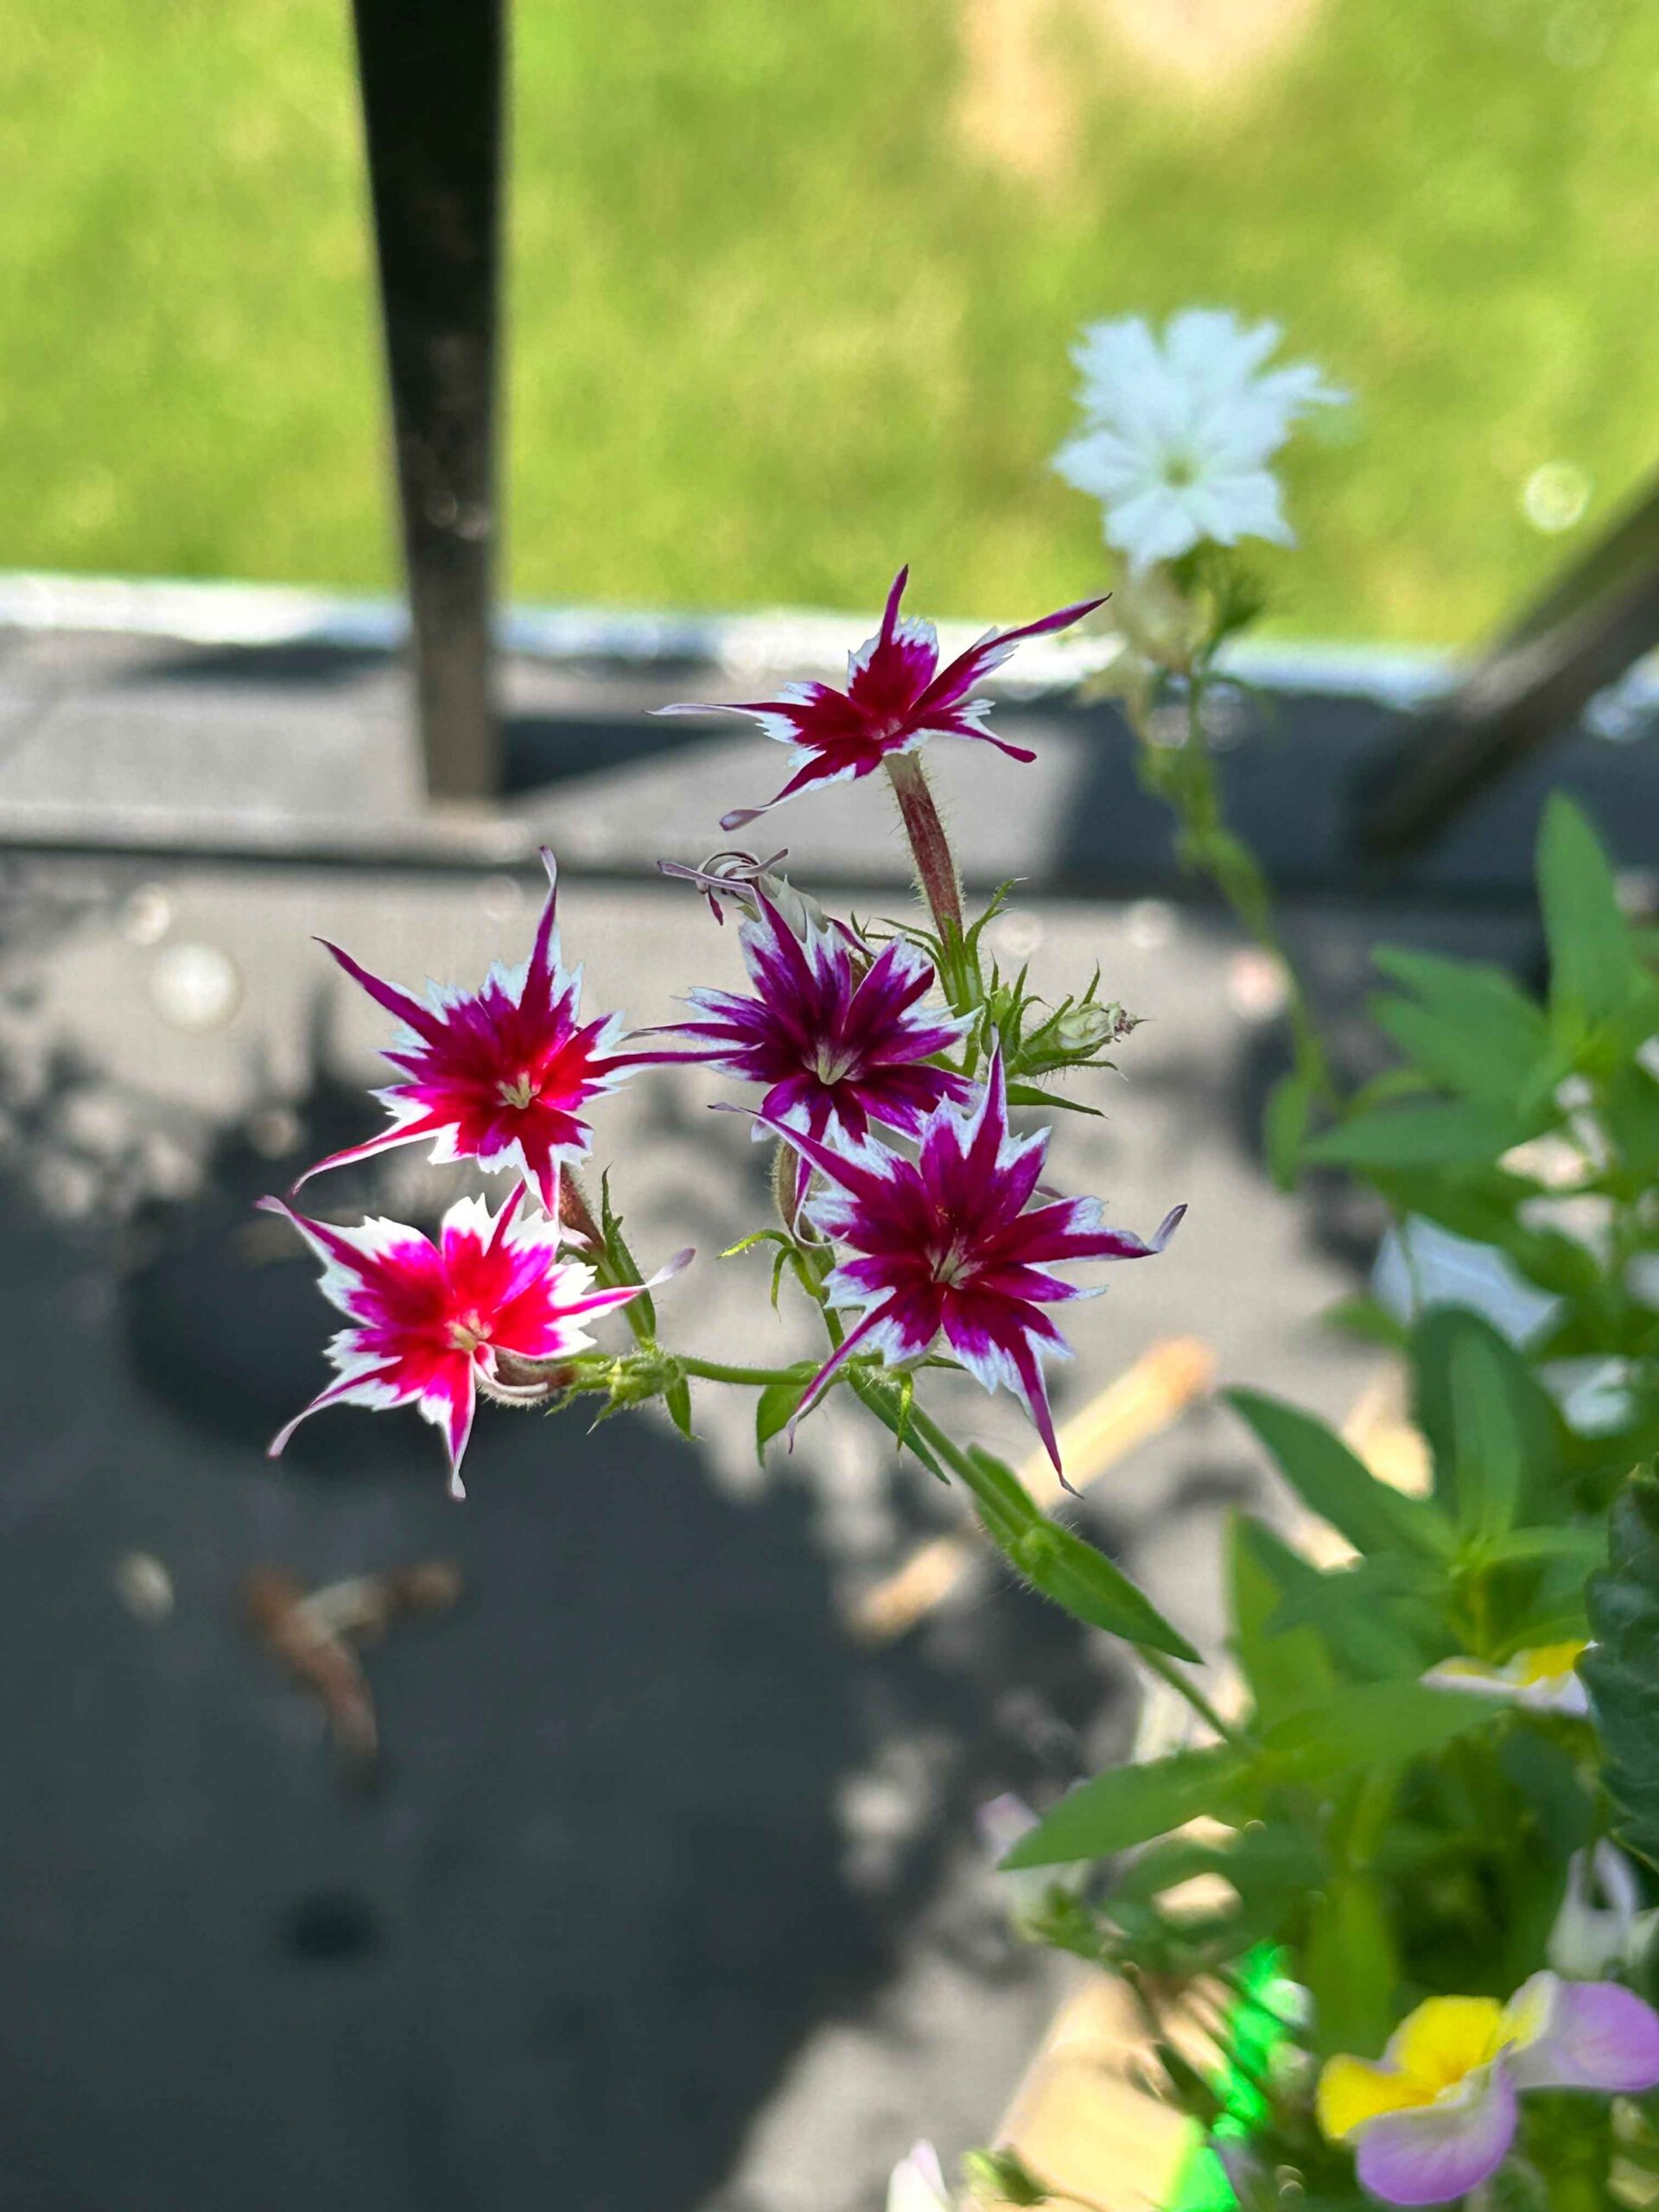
1437	2116
500	1075
944	1244
897	697
428	1321
839	1046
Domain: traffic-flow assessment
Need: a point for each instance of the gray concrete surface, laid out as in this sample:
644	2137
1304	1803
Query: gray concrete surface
667	1898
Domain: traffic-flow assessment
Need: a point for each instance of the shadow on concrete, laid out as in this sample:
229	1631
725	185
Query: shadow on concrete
601	1895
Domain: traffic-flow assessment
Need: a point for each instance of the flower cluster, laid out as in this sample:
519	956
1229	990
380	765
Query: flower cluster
1178	435
850	1045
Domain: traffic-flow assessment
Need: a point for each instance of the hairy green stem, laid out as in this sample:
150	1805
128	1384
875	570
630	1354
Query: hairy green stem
714	1371
1184	778
936	870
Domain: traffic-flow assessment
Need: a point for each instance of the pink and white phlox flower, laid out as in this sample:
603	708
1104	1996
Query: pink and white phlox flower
501	1075
839	1046
946	1245
897	697
429	1322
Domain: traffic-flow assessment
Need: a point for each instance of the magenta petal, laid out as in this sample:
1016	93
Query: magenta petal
449	1401
377	1390
1596	2035
1439	2152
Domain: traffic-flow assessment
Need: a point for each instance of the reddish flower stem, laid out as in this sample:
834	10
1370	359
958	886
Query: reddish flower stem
577	1215
936	871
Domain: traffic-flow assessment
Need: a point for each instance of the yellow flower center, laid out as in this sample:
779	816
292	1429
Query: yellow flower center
521	1093
1433	2053
468	1333
1546	1662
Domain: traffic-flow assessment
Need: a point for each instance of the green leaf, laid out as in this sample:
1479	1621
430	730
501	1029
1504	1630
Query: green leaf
1594	967
1622	1668
1063	1564
774	1410
1351	1966
677	1396
882	1399
1486	1435
1284	1128
1367	1320
1001	1497
1494	1434
1373	1725
1283	1671
1067	1568
1583	1544
1337	1485
1460	1135
1028	1094
1551	1781
1132	1804
1366	1611
1269	1860
1471	1027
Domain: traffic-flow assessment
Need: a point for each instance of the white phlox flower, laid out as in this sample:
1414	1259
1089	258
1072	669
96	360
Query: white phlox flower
1178	431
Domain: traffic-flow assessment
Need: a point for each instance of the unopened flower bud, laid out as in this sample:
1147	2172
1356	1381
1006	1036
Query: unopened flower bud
799	908
1094	1024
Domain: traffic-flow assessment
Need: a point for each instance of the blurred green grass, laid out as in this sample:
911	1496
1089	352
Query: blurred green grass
780	317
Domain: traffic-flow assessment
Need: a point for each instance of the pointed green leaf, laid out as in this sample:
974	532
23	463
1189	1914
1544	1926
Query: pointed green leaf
1594	967
881	1398
1471	1027
1494	1434
1338	1486
1381	1618
1132	1804
774	1410
1284	1126
677	1396
1067	1568
1282	1670
1028	1094
1370	1725
1459	1135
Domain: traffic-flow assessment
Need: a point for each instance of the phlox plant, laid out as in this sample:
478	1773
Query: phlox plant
1423	1779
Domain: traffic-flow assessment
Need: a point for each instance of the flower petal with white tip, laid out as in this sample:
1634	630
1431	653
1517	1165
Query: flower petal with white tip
502	1075
897	697
429	1321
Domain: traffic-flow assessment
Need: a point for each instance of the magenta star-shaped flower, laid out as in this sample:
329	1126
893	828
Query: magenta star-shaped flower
840	1044
947	1245
897	697
429	1320
500	1075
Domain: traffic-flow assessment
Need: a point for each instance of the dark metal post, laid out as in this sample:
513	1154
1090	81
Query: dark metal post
431	73
1597	618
